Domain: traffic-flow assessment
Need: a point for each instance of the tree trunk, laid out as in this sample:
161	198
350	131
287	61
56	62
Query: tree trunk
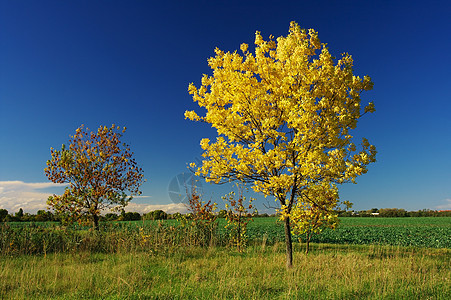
239	232
95	219
288	243
308	242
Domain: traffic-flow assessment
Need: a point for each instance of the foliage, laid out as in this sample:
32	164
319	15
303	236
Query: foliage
283	118
110	217
129	216
3	214
199	209
99	169
43	216
316	210
40	216
238	215
201	221
392	212
19	215
222	214
156	215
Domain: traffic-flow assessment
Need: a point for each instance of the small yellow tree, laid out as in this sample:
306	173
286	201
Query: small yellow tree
283	117
315	210
238	216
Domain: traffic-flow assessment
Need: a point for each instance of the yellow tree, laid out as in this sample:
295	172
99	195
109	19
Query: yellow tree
315	210
99	169
283	117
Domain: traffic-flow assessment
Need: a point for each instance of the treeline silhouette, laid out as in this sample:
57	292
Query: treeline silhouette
394	212
46	216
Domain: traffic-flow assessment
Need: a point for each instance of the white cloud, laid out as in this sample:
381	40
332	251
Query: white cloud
18	194
446	205
28	196
141	197
9	185
145	208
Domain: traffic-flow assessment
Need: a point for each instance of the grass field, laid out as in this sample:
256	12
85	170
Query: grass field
329	272
365	258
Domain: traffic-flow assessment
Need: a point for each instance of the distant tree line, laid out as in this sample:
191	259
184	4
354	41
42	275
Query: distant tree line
394	212
20	216
46	216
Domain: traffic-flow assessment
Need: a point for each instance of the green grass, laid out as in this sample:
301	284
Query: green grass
328	272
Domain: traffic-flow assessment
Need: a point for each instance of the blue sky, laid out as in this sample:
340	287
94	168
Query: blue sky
67	63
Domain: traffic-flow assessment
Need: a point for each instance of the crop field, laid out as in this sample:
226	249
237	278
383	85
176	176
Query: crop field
432	232
429	232
420	232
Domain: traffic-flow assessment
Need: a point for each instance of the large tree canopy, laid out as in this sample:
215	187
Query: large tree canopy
100	170
283	117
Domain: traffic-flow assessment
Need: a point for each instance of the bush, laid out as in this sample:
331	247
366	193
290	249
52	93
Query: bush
392	212
3	214
156	215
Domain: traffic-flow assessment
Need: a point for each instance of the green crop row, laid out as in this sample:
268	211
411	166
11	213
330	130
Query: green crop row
421	232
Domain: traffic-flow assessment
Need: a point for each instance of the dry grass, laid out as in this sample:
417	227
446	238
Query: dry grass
329	272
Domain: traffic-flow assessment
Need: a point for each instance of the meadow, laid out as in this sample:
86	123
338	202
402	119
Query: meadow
365	258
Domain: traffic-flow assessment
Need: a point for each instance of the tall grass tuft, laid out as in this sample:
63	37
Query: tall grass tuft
151	237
